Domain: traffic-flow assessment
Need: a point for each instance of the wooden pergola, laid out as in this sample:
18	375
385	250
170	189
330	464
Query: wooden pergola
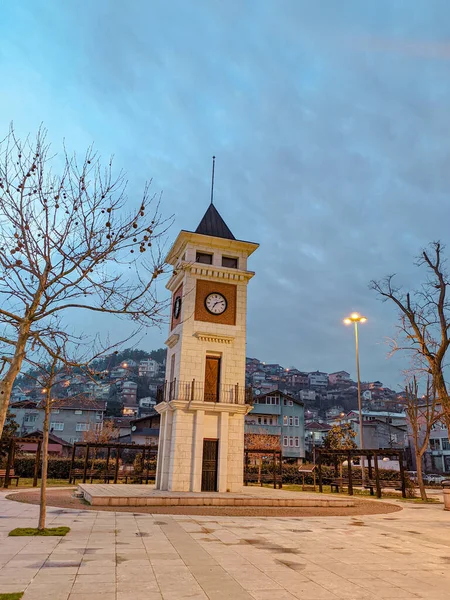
277	468
147	453
13	444
365	453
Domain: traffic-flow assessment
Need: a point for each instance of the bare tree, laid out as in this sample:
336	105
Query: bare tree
424	321
69	242
423	412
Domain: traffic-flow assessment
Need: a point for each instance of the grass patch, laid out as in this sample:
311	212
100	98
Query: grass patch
27	531
13	596
27	482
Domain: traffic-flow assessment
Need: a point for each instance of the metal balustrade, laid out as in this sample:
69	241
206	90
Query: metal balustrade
195	391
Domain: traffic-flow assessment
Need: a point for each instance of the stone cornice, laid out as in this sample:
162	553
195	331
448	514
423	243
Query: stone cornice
214	242
201	270
172	340
218	272
214	337
217	407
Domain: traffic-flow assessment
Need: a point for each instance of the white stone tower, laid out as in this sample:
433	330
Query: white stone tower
203	404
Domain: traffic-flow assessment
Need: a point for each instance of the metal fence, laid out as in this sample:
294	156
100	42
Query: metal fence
195	391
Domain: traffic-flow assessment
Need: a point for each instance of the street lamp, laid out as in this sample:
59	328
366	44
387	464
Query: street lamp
357	318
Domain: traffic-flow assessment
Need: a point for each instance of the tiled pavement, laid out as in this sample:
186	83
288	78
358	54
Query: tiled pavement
126	556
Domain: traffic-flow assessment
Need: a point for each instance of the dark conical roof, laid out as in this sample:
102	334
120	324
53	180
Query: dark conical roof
213	224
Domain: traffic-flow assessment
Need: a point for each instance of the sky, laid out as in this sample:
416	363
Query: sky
330	125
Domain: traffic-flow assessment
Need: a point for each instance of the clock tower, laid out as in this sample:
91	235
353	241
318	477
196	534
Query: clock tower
203	403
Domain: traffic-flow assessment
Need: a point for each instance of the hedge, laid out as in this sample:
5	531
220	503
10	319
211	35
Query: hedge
59	468
291	473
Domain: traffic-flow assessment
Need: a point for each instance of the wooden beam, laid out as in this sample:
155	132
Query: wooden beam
86	459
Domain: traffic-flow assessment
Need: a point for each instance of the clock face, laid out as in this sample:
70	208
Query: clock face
177	307
215	303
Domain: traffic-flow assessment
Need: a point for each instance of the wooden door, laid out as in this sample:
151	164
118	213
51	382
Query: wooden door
209	465
212	379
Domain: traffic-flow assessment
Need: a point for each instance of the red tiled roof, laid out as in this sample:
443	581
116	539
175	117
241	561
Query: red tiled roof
318	426
76	402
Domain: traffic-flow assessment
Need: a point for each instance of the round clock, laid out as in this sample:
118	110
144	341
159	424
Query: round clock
215	303
177	307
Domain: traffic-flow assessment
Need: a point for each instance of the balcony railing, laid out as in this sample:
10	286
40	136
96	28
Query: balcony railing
260	429
195	391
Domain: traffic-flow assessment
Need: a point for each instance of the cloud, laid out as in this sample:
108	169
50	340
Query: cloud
329	122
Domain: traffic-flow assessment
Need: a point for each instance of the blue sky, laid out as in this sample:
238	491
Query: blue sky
329	121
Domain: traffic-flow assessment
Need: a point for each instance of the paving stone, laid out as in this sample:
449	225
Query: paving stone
404	555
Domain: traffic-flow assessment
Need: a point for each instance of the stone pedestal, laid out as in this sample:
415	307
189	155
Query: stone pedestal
184	427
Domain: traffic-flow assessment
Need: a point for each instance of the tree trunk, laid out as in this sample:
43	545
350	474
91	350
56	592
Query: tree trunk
423	493
6	384
43	495
442	394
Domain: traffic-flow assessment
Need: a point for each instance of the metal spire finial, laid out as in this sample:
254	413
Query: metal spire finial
212	179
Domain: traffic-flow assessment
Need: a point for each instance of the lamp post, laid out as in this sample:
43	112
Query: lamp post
356	318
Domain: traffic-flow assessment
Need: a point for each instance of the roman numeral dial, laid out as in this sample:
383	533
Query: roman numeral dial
215	303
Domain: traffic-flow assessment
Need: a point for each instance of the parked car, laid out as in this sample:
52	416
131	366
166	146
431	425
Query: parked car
433	479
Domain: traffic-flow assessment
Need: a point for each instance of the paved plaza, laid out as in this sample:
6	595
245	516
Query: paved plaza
130	556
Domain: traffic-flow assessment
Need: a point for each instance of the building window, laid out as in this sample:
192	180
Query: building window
55	411
435	444
98	427
445	444
82	427
290	403
285	421
291	421
57	426
99	415
259	420
297	442
273	400
285	440
291	442
204	257
30	418
296	421
265	421
231	263
78	412
284	402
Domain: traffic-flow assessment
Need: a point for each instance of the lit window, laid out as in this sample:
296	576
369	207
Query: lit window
285	440
285	421
57	426
231	263
204	257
